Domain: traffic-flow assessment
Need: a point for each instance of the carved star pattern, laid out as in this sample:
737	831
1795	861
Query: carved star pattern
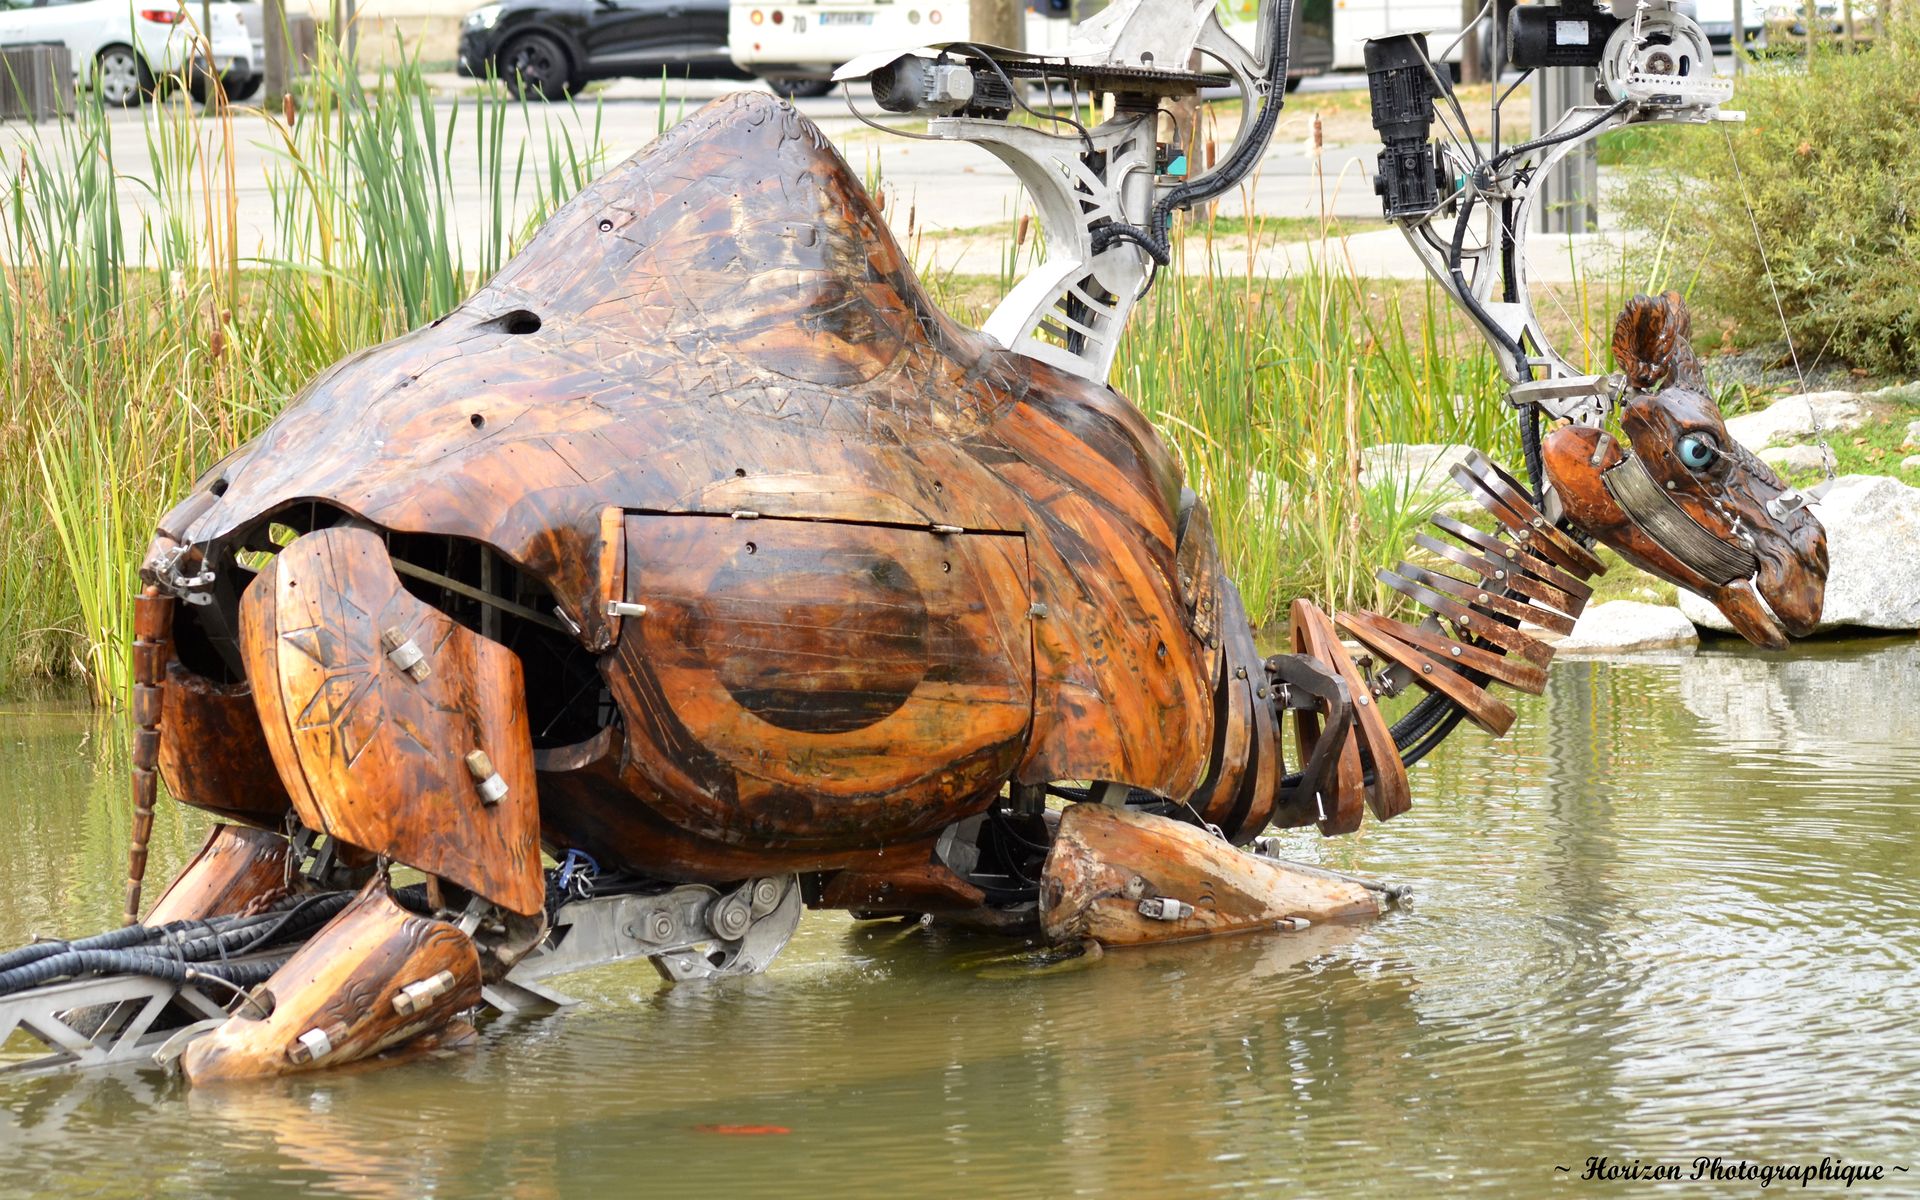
345	707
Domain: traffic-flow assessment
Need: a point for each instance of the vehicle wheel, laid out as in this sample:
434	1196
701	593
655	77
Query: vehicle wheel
1294	82
121	77
244	88
800	89
535	67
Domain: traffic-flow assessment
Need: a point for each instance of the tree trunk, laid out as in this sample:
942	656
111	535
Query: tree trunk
274	19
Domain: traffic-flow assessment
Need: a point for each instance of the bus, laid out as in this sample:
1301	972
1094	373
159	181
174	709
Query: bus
795	45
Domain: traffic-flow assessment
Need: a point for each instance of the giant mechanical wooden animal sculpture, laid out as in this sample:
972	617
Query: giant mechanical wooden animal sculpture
700	551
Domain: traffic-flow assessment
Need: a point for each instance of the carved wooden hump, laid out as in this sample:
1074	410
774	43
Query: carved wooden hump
722	322
728	285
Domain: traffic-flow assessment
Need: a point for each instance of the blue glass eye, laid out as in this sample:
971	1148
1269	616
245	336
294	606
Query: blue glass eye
1696	451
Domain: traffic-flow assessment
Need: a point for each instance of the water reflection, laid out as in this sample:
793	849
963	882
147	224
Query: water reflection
1672	913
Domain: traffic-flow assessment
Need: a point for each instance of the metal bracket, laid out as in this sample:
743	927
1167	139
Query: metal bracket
681	932
96	1022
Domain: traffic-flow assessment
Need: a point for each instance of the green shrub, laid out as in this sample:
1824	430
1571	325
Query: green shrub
1830	155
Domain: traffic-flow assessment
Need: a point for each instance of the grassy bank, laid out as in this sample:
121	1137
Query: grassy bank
136	358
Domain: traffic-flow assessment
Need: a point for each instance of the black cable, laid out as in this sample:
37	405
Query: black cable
73	963
1086	138
1245	156
1554	139
129	936
1536	460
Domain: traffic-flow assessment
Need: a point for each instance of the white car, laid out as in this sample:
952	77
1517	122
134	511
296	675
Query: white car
125	47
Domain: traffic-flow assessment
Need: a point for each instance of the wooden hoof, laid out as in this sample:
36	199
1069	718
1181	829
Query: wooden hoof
236	869
374	977
1124	878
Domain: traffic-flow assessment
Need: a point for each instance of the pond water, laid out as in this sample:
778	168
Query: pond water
1674	913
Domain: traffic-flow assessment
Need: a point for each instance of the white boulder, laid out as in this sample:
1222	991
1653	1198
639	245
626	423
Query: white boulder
1873	546
1913	436
1910	463
1411	469
1627	626
1794	458
1791	418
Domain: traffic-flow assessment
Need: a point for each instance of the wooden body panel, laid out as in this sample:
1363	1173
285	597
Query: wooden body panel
1106	860
1339	808
213	753
810	683
601	803
372	755
1388	795
721	324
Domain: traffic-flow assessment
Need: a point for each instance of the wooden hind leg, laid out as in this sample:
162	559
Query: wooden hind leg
238	869
1122	877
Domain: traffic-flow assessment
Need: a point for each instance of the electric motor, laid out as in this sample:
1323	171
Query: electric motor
1402	85
939	88
1558	35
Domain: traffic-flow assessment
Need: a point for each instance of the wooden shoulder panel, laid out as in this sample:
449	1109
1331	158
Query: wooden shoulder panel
380	756
213	753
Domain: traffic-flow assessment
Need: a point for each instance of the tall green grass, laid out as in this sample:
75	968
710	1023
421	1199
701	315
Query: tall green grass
141	342
1269	389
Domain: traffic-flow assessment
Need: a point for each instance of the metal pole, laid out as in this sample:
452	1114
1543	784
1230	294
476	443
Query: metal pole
1566	202
1809	17
1739	44
206	42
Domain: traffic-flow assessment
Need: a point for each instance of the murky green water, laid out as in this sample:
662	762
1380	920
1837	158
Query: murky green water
1676	912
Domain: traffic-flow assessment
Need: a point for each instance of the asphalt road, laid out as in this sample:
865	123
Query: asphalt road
941	187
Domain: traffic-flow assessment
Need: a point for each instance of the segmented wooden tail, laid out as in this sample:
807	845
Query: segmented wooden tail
1525	572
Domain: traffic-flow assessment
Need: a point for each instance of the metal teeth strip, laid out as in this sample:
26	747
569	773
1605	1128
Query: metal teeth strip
1499	548
1649	507
1488	601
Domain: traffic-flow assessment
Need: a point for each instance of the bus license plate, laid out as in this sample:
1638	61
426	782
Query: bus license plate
843	18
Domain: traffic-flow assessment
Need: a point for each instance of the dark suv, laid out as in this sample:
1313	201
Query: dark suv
546	49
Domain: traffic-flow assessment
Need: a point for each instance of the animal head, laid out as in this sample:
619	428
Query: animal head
1682	499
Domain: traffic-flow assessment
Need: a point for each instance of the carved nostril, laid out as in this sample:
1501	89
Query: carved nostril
218	487
519	321
478	421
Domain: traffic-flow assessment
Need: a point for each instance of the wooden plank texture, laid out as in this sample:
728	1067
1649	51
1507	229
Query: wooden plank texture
1106	860
374	756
